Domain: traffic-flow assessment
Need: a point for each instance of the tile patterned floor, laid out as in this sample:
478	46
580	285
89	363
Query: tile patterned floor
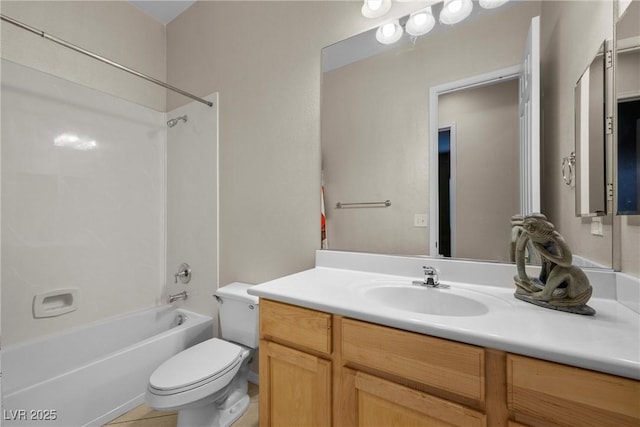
143	416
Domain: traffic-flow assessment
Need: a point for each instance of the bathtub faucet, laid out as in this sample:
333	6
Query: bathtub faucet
181	296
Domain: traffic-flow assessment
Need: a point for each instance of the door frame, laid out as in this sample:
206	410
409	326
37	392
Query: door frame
504	74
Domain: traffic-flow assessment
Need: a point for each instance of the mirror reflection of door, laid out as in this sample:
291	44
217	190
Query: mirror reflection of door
446	185
629	157
484	193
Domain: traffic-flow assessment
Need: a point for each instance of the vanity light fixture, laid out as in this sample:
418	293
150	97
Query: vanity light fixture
455	11
390	32
375	8
491	4
420	22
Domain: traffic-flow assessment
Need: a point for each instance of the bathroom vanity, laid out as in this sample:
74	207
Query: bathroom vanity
331	354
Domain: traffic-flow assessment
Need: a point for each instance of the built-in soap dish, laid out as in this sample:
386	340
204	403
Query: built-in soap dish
55	303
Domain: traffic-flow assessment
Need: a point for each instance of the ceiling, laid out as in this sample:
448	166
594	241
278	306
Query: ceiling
163	10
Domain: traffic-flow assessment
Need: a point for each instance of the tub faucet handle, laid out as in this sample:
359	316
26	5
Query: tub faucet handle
184	273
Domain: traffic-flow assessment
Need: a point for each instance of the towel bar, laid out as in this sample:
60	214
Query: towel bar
384	204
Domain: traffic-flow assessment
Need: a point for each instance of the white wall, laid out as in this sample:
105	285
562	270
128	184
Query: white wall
192	204
131	279
88	218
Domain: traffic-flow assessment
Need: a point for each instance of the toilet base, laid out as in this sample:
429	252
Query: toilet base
231	415
213	415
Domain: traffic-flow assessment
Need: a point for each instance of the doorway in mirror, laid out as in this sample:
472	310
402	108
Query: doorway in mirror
445	139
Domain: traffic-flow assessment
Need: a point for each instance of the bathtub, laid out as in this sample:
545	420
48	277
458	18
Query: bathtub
94	373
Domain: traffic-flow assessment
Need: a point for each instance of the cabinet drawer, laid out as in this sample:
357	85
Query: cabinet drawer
297	326
446	365
378	402
570	396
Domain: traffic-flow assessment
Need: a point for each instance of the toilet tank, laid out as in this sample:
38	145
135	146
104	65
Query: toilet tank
238	314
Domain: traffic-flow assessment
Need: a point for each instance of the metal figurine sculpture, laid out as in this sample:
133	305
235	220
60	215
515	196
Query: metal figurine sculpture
561	285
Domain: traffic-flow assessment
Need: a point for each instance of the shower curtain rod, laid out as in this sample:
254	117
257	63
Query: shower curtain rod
101	58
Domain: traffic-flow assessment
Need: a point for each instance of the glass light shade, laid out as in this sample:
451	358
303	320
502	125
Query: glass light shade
389	33
375	8
420	22
455	11
491	4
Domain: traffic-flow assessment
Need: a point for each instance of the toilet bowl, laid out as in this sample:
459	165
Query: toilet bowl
207	383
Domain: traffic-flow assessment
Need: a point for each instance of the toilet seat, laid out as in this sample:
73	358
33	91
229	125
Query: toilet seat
211	361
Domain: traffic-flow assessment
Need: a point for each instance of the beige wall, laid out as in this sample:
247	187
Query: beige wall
487	140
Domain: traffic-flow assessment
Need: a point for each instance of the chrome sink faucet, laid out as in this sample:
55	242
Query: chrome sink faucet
430	278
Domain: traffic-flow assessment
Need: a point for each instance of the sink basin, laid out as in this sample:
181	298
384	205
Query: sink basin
456	300
440	302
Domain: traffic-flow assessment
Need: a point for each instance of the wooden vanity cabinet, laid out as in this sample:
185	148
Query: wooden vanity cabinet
319	369
295	366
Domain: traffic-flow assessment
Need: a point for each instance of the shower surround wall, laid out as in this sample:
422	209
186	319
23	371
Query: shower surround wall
83	201
192	204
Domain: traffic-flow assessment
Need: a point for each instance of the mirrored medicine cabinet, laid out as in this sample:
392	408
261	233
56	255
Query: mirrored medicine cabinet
591	133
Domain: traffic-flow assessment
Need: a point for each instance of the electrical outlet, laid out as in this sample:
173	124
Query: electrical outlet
420	220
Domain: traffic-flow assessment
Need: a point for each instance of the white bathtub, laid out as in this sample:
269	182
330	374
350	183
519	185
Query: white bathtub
94	373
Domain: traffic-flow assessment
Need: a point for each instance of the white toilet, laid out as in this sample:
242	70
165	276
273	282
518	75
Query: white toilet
207	383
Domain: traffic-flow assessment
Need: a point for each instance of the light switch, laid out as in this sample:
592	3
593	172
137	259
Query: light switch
420	220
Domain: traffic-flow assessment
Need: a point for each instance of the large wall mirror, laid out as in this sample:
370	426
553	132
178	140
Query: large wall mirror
377	144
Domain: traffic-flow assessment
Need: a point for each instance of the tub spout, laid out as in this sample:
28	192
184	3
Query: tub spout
181	296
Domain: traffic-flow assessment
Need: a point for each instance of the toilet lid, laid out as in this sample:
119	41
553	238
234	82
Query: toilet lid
201	362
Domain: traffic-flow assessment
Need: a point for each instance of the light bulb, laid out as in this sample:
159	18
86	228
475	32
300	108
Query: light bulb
375	8
388	30
374	5
454	6
420	18
389	33
491	4
455	11
420	22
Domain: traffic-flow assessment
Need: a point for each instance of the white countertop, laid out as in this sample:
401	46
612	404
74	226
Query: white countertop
607	342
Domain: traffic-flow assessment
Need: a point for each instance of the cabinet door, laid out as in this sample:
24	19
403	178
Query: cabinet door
379	402
547	393
295	387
